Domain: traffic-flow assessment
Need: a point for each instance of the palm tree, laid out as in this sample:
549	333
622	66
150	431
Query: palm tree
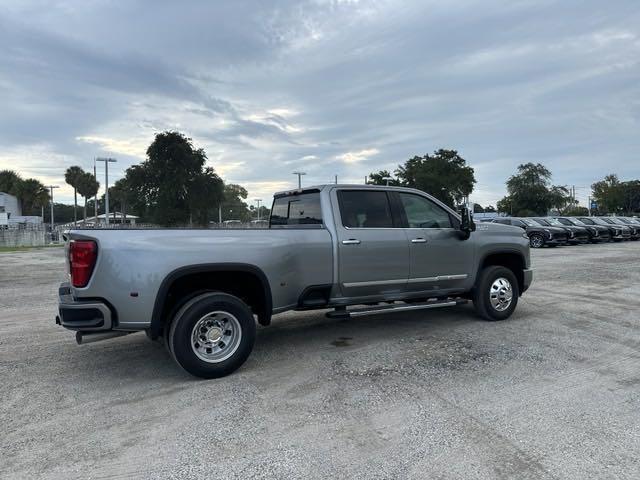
87	187
33	194
10	182
120	193
72	177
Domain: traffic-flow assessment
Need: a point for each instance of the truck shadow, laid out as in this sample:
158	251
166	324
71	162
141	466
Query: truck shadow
293	337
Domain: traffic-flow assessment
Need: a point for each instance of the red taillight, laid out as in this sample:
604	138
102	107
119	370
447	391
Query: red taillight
82	258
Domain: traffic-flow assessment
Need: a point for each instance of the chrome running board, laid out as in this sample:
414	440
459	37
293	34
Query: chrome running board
395	307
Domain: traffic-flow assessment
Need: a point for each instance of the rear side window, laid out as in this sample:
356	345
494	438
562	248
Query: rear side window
297	210
365	209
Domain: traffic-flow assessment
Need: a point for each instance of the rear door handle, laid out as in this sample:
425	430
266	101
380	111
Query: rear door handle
419	240
351	241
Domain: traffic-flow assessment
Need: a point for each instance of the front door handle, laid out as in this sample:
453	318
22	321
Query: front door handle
419	240
351	241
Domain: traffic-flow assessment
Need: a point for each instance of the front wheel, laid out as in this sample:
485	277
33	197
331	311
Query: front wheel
496	293
212	335
536	241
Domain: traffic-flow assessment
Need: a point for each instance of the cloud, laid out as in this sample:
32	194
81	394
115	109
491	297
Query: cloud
324	86
357	156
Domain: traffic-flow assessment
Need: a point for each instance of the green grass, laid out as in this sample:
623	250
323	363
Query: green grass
24	249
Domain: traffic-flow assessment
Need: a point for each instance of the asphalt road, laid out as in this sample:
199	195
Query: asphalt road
554	392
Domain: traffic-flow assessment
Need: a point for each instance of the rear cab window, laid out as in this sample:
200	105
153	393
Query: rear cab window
365	209
298	210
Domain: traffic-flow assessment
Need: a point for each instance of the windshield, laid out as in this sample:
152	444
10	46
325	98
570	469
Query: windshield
543	221
587	221
529	222
609	221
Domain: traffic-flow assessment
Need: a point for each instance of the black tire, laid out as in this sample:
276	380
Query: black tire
483	291
230	309
536	241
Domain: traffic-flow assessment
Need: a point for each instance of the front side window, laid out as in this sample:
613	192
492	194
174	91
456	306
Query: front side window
423	213
297	210
365	209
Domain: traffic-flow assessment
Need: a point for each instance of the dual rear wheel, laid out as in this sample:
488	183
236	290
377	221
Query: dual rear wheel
212	335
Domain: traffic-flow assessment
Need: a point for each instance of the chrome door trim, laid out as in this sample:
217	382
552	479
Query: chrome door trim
374	283
440	278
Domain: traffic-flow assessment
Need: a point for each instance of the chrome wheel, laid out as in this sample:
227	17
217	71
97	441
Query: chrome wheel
536	241
216	336
501	294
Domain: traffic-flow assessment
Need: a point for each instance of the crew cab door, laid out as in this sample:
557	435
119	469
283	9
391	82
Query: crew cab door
440	258
373	254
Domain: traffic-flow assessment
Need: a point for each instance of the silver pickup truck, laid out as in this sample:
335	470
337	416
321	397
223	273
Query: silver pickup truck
352	249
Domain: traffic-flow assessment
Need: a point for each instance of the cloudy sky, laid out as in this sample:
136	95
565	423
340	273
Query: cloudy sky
328	87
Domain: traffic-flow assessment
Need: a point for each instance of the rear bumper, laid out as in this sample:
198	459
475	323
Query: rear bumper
527	279
82	315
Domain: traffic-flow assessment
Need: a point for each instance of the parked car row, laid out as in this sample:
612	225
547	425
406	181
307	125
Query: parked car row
554	231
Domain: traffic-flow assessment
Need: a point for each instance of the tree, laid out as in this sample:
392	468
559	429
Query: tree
505	205
630	193
33	196
576	211
490	209
62	213
87	187
233	206
119	195
172	186
477	208
206	192
10	182
264	212
380	178
614	196
444	174
72	176
530	192
560	199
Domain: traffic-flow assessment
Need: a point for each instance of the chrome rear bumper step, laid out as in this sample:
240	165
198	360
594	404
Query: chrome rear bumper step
395	307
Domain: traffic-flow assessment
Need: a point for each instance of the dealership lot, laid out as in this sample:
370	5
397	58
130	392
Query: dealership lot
554	392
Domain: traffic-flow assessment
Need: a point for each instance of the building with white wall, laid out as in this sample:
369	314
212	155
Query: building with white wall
10	205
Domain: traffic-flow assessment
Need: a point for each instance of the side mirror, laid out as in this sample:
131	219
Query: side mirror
467	224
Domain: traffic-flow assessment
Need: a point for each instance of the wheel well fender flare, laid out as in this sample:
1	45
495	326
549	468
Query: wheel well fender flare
157	320
512	253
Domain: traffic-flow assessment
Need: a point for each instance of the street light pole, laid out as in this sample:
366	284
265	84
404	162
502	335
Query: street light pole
299	174
51	187
106	186
258	200
95	197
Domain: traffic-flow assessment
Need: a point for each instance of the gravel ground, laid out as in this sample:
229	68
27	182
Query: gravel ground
554	392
